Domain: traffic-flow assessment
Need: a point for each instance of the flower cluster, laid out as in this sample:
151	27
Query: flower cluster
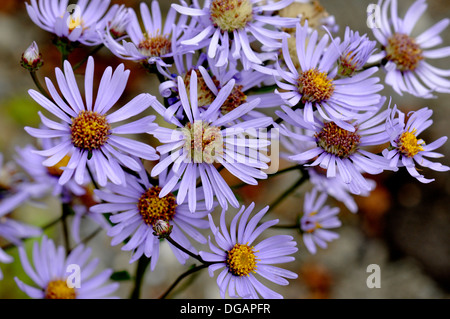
234	77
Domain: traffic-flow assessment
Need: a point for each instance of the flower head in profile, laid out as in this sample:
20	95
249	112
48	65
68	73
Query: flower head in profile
407	55
240	257
85	131
339	151
76	22
407	149
316	220
154	43
32	58
228	27
141	214
315	87
200	143
55	275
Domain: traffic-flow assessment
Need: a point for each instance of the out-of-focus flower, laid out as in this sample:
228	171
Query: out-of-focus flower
154	43
240	260
228	28
138	209
407	68
55	274
75	22
407	148
194	147
85	130
32	58
314	85
316	220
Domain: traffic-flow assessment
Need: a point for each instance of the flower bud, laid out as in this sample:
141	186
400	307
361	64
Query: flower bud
31	58
162	229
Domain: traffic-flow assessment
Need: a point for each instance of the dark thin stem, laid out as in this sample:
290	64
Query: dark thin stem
173	242
92	177
304	178
38	85
95	50
181	277
142	265
285	170
88	238
66	210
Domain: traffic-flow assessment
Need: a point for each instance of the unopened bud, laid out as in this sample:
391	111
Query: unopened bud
31	58
162	229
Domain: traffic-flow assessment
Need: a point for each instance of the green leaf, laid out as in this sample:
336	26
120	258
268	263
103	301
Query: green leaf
120	276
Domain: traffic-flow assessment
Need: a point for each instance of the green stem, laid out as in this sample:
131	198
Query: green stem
95	50
142	266
173	242
299	182
38	85
66	211
181	277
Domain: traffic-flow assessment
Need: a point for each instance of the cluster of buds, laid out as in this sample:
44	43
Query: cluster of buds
31	58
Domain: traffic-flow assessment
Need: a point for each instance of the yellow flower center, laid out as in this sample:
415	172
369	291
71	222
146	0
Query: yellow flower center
153	208
156	46
89	130
58	289
203	142
230	15
409	145
241	260
56	170
315	86
404	52
309	225
335	140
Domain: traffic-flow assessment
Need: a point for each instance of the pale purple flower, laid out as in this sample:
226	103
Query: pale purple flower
137	209
14	231
228	28
407	149
153	43
46	178
355	52
240	257
85	130
339	151
315	87
118	24
76	22
316	220
407	68
54	274
210	80
194	147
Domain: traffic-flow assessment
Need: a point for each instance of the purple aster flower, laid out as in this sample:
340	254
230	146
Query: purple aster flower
240	260
55	274
118	24
407	149
46	178
197	145
355	52
316	87
407	68
85	130
316	221
210	80
341	152
242	22
14	231
152	44
138	210
76	22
